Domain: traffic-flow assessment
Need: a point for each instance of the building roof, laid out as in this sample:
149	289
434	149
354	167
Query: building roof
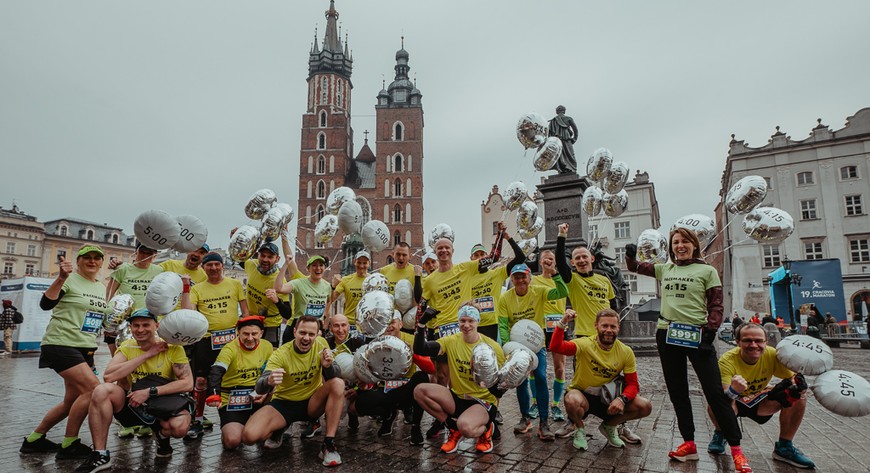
365	154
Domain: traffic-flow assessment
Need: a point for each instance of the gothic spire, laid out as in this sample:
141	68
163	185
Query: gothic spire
331	41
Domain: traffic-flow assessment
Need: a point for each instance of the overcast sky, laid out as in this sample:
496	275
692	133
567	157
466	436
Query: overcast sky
111	108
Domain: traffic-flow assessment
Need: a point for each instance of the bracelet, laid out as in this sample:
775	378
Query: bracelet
731	393
561	325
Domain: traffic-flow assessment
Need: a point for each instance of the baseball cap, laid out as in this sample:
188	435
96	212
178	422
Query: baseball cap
521	268
476	248
143	313
362	254
430	255
205	247
314	259
468	311
90	249
269	246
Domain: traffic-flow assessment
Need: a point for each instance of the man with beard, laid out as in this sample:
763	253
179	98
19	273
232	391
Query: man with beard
599	360
133	279
304	385
350	287
189	267
262	298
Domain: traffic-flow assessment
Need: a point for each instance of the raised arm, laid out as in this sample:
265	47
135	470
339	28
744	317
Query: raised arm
644	269
562	265
280	286
557	342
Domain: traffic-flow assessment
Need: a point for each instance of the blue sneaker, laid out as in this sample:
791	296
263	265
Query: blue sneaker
533	411
717	443
787	452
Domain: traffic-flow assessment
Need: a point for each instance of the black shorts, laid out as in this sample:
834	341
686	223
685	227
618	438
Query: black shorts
751	412
128	417
462	405
432	335
597	407
60	358
490	331
241	417
203	357
292	411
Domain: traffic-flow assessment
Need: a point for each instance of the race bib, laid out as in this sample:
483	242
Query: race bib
394	384
219	338
551	321
240	400
315	310
448	329
751	401
92	323
683	335
352	331
485	304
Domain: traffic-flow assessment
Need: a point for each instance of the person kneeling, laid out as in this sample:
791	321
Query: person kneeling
599	361
305	386
153	381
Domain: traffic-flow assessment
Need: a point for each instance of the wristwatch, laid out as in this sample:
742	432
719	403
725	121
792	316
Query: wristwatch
152	392
624	399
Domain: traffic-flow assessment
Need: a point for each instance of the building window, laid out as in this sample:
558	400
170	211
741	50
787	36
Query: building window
398	132
63	230
397	214
622	230
29	269
339	94
808	209
804	178
593	232
397	238
397	188
31	250
631	279
7	268
324	90
853	205
115	238
620	255
408	213
813	250
848	172
400	95
771	256
61	254
408	187
859	250
321	140
10	247
323	119
89	234
768	181
320	213
397	163
321	190
321	165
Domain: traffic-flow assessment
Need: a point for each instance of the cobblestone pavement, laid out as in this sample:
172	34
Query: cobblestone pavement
836	444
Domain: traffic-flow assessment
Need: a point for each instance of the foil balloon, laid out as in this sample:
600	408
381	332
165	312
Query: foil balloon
615	204
259	203
548	154
843	393
598	166
361	368
403	295
182	327
123	333
510	347
652	247
592	200
484	365
526	214
337	198
163	293
374	312
243	243
326	228
702	225
515	370
273	223
409	318
288	213
528	333
156	229
388	358
375	282
533	230
805	354
120	307
350	217
192	234
344	362
532	130
375	235
442	230
515	194
528	245
746	194
768	224
616	179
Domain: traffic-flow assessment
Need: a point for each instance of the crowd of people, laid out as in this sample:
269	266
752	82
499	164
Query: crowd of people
268	358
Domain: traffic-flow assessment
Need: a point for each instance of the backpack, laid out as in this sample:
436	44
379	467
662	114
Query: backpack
17	318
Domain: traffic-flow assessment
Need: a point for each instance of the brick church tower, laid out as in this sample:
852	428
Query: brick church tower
388	181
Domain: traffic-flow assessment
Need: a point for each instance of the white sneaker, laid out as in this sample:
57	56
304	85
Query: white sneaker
330	457
628	436
275	440
566	431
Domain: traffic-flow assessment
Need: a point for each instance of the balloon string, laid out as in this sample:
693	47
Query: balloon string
717	235
727	248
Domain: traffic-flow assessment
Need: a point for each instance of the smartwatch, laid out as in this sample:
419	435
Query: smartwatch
152	392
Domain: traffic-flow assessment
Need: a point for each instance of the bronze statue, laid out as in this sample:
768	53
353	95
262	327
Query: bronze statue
563	127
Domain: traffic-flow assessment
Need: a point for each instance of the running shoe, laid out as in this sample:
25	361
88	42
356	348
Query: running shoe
544	432
275	440
533	411
42	445
787	452
609	432
580	442
143	431
523	426
741	464
452	443
408	415
628	436
717	443
126	432
685	452
330	456
164	447
498	418
387	425
484	442
558	416
567	430
76	450
194	432
435	430
95	462
312	429
416	435
207	423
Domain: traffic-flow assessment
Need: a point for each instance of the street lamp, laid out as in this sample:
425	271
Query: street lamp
790	279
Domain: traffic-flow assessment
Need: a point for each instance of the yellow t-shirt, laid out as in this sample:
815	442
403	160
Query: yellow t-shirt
394	275
197	276
351	287
134	281
446	291
219	303
258	303
302	375
485	292
409	340
757	376
159	364
596	367
459	361
550	307
588	295
530	306
243	367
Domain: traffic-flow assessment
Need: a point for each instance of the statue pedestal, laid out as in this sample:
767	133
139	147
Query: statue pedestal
640	335
562	194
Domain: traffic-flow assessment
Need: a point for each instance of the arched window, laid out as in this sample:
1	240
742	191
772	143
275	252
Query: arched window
408	213
397	163
397	214
63	230
308	194
310	165
331	163
321	190
398	132
308	240
323	119
331	185
89	234
408	237
115	238
397	238
324	90
386	187
320	212
397	188
321	140
321	165
408	187
308	216
386	212
410	163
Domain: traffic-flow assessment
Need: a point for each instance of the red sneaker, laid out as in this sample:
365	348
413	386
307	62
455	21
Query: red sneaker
452	443
741	464
484	442
685	452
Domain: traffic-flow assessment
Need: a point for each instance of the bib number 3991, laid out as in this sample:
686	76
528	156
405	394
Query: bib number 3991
684	335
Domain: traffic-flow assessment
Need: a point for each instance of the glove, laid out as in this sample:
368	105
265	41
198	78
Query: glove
796	390
214	400
788	391
498	393
631	251
708	335
484	263
428	315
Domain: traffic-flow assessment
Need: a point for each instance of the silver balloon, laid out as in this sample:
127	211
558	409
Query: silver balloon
344	362
702	225
243	243
526	214
409	318
532	129
442	230
484	365
288	213
805	354
374	312
652	247
616	179
768	224
843	393
615	204
260	203
361	368
337	198
156	229
533	230
548	154
403	295
326	228
516	369
592	200
598	166
746	194
273	223
350	217
192	234
388	357
375	282
515	194
120	307
375	235
528	245
123	333
528	333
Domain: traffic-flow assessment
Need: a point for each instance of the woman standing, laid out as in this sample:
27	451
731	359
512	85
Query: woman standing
77	301
690	316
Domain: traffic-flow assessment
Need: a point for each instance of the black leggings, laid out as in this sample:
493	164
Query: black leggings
375	402
706	366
